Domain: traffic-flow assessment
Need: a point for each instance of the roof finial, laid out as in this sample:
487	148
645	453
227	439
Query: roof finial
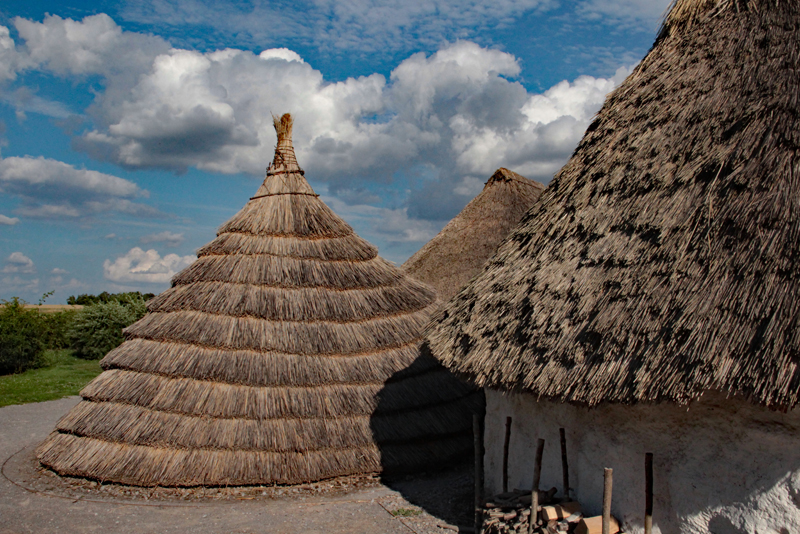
283	127
285	160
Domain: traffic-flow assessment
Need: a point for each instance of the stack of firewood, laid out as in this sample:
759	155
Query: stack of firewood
510	512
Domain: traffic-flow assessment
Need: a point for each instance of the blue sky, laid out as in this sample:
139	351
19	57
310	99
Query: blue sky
130	131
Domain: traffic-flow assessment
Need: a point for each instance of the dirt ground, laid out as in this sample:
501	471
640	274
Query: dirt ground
37	500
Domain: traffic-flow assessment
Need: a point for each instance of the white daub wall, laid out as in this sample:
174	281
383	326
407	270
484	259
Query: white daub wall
720	465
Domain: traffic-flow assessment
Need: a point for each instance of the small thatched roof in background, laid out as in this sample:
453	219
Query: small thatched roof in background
288	352
457	253
664	259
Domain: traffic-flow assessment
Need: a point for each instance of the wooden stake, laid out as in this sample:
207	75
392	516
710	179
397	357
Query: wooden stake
564	464
478	445
533	520
608	483
648	493
505	454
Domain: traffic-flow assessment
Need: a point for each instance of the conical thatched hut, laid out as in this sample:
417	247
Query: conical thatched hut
457	253
288	352
657	280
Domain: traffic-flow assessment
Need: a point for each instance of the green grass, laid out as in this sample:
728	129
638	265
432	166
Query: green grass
63	375
406	512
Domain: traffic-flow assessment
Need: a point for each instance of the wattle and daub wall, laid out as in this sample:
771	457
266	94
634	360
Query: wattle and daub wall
720	465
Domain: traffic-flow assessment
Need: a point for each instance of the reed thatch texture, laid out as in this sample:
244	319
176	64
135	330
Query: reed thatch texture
664	259
457	253
288	352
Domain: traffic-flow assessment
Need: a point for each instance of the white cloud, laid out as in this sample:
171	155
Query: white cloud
54	189
9	58
148	266
58	271
458	113
18	262
169	238
95	45
281	53
8	221
16	283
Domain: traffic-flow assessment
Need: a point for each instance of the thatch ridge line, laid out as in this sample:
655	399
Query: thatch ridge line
308	321
283	194
376	351
413	341
290	257
296	288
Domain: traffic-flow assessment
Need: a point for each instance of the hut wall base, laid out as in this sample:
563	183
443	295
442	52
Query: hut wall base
720	465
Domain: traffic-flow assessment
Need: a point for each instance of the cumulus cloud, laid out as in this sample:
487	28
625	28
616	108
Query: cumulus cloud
138	265
18	262
454	115
9	58
54	189
58	271
8	221
169	238
95	45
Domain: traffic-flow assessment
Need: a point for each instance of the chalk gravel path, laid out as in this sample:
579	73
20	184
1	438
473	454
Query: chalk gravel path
33	500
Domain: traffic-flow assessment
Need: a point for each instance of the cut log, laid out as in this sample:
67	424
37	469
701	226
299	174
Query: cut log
594	525
560	511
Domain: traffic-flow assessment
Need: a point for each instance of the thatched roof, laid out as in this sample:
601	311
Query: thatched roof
288	352
664	259
457	253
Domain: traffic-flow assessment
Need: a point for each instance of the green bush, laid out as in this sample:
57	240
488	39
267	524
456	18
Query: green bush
56	327
97	328
21	343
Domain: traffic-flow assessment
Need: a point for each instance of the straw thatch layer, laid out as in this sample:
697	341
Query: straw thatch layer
181	360
457	253
350	247
217	399
151	466
296	337
290	272
141	426
291	304
288	352
664	258
295	215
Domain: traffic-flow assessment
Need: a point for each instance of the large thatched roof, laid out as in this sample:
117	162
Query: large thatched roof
664	259
288	352
457	253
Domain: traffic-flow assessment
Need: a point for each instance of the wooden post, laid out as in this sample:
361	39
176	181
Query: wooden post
648	493
533	520
505	454
478	445
564	464
608	483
